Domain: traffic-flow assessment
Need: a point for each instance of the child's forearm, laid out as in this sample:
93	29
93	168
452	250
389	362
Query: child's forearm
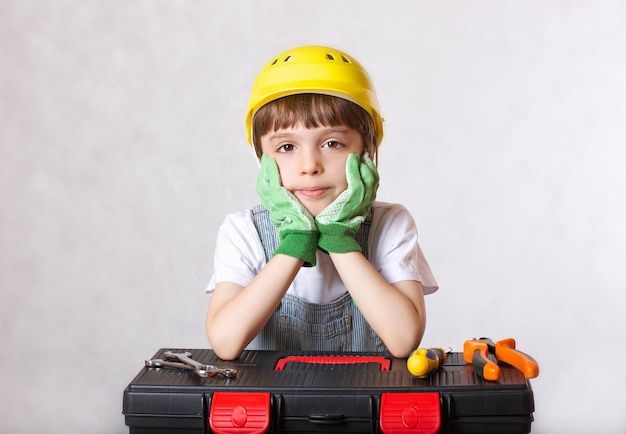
237	314
395	312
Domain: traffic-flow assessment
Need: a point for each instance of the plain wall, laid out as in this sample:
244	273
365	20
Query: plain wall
122	148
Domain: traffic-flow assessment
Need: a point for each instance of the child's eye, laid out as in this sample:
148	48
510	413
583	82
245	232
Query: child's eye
333	144
287	147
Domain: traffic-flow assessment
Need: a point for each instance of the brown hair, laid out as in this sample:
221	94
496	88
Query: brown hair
313	110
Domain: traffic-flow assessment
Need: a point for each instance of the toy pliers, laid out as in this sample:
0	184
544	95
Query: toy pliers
478	352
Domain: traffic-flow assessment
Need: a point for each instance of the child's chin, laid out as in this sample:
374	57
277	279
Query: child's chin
315	209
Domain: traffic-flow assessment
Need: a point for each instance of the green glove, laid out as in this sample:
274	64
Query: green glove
339	221
296	226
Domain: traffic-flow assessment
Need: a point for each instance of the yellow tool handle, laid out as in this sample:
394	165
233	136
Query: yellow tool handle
424	361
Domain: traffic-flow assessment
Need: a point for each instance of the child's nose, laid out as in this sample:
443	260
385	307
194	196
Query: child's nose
310	164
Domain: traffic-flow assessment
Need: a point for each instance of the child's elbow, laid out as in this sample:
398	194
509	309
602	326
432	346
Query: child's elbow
224	347
225	350
402	351
227	353
404	345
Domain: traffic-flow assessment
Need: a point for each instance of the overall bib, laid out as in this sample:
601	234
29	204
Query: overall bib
299	325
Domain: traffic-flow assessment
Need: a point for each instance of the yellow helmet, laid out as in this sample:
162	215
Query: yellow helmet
314	69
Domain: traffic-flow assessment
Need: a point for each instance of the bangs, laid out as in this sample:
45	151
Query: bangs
312	111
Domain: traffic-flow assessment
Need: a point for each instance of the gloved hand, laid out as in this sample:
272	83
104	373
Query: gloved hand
339	221
296	226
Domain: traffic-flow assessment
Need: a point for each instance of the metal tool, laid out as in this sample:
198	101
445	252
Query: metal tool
184	361
484	356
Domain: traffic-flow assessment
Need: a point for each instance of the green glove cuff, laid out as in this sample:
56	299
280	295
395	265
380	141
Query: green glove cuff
341	219
300	244
337	238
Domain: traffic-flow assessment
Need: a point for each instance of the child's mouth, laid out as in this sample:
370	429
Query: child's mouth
313	192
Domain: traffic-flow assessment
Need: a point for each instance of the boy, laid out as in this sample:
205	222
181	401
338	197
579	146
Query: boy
320	266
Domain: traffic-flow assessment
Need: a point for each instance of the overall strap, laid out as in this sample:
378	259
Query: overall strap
269	235
299	325
267	231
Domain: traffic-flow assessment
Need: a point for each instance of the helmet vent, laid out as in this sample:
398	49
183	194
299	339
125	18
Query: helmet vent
345	59
330	57
287	59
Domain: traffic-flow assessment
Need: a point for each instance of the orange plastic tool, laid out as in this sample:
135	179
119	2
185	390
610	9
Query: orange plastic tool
479	352
506	352
476	352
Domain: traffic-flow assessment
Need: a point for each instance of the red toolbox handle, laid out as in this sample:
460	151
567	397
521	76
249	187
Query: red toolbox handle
333	360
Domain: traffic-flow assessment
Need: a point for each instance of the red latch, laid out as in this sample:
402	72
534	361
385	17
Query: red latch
333	360
240	413
410	413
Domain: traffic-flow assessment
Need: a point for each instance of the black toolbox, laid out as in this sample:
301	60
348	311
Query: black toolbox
292	392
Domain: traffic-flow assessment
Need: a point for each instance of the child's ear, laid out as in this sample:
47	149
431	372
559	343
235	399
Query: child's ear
373	153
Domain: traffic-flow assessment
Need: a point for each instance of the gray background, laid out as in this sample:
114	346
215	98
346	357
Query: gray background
122	148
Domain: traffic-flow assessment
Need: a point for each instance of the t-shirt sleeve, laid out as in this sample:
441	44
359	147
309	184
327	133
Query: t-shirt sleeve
239	255
397	254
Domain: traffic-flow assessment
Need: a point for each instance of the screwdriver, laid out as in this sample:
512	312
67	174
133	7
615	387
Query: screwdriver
424	361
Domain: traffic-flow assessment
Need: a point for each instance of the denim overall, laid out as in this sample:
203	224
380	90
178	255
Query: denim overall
299	325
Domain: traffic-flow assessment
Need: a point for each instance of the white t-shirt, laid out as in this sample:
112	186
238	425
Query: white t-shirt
393	251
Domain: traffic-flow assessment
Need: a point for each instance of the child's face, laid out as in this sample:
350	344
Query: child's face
312	161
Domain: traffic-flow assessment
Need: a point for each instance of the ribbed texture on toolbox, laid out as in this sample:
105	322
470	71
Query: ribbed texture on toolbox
255	369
